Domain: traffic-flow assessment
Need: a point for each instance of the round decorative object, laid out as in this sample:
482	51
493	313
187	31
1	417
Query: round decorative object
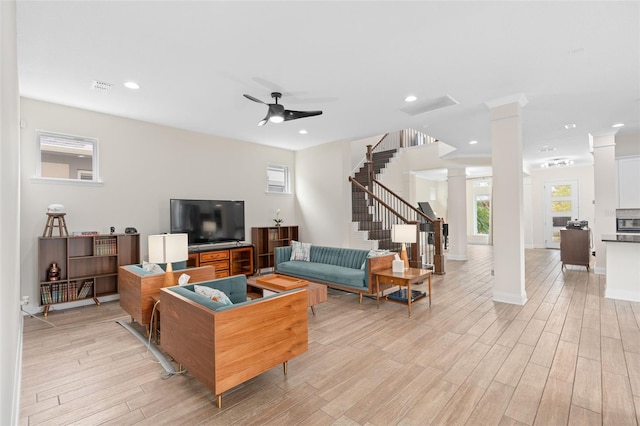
53	273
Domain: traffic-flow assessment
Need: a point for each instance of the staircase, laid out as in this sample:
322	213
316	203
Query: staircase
375	208
360	203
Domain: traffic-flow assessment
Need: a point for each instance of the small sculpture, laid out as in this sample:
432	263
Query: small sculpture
53	273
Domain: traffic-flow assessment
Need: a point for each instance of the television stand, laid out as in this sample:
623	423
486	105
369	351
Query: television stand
227	258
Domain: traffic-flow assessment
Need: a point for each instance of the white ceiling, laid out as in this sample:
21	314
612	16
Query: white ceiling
575	62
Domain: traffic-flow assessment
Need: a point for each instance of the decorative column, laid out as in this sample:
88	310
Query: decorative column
457	213
605	194
507	209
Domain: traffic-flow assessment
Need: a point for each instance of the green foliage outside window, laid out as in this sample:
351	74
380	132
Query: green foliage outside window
482	215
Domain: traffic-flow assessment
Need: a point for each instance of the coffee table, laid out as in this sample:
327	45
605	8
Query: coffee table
275	283
405	278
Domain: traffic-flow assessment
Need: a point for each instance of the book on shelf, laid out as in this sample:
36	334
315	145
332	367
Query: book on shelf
84	289
45	294
84	233
106	246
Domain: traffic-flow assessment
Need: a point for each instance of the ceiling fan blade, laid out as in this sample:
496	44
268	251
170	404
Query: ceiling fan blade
294	115
265	120
255	99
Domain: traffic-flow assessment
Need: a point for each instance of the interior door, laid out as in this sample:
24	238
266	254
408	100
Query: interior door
561	205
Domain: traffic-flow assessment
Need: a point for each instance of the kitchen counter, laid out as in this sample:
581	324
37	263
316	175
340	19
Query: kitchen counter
621	238
623	266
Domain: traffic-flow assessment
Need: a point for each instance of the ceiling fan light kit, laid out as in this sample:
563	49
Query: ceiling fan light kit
276	112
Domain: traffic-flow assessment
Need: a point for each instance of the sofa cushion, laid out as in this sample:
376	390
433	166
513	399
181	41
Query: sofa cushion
349	258
235	287
213	294
323	272
198	298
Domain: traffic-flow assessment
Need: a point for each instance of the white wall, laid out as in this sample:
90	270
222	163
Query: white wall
10	315
433	191
584	175
142	166
324	194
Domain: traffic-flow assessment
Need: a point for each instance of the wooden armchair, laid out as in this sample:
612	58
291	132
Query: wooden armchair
225	346
136	288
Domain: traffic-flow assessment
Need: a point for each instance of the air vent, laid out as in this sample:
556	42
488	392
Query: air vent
101	86
429	105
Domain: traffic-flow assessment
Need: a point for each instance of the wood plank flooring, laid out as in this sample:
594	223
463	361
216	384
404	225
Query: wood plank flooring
567	357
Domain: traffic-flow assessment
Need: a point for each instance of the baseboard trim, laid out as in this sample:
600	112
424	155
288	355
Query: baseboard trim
621	295
456	257
514	299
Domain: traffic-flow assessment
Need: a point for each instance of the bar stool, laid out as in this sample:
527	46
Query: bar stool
55	220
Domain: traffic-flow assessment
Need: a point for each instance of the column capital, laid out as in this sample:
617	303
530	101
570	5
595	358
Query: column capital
516	98
457	171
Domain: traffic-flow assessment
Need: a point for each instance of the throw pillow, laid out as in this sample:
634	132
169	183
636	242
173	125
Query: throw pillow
300	251
152	267
374	253
213	294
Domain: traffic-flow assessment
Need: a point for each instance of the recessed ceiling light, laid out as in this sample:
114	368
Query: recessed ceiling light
473	142
132	85
547	148
569	126
410	98
302	131
618	125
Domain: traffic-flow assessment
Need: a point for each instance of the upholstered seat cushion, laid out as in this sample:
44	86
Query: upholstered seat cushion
324	272
234	287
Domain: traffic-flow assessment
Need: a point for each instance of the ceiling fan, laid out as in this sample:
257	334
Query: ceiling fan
277	113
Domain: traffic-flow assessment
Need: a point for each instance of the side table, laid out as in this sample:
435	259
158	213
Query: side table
406	278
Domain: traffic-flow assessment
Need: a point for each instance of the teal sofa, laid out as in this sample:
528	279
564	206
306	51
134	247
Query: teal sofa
342	268
225	345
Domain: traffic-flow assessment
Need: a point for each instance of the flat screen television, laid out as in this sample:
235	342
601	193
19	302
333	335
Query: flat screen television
208	221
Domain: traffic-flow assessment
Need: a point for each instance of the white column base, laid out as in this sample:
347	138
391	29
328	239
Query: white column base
514	299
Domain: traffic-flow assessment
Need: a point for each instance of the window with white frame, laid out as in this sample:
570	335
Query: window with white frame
277	179
482	213
67	157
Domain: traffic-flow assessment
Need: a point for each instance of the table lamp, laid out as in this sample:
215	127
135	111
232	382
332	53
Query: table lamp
404	234
168	248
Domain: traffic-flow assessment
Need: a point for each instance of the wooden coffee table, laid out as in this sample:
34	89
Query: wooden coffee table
406	278
275	283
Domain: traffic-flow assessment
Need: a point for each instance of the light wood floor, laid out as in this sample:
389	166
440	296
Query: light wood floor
569	356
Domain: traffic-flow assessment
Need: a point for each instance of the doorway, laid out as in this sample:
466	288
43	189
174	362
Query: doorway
560	206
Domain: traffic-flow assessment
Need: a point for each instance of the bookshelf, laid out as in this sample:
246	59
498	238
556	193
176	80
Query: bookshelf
88	266
267	239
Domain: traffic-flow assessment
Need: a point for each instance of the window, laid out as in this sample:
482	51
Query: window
277	179
482	214
67	157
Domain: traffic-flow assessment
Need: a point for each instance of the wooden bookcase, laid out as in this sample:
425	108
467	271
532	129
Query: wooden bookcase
267	239
225	260
88	266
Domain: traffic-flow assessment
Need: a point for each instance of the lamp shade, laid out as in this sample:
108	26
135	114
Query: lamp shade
403	233
168	248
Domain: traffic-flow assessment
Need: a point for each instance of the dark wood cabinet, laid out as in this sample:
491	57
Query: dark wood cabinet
88	266
574	247
226	261
267	239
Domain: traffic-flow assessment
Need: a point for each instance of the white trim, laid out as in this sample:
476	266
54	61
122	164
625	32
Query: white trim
57	181
598	270
514	299
456	257
621	295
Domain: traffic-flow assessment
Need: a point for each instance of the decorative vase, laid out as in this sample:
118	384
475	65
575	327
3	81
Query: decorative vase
53	273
